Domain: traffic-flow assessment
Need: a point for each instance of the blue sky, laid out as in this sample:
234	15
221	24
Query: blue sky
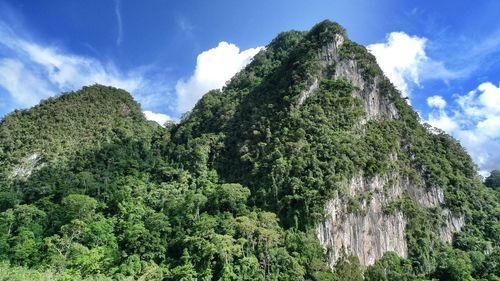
444	55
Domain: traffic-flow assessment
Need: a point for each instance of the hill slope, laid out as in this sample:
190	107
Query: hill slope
72	123
308	165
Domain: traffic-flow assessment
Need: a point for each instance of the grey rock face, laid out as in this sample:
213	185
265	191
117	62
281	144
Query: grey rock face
376	105
453	223
28	165
355	221
368	233
432	197
305	94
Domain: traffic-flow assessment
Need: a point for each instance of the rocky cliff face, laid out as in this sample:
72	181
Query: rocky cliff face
27	166
366	230
376	105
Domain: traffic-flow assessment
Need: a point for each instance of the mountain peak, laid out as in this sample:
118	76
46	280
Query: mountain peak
72	121
314	122
308	165
326	31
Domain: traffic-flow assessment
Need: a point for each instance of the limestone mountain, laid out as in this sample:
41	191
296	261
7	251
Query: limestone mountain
323	139
307	165
71	123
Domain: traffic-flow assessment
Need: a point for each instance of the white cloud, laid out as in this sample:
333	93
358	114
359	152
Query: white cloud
405	62
68	71
159	118
118	12
483	150
30	71
490	97
213	68
490	126
475	121
400	58
436	101
442	121
15	78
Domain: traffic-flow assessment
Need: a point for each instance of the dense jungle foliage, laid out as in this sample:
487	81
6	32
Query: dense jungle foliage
90	190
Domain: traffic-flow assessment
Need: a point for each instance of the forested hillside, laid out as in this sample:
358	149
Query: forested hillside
91	190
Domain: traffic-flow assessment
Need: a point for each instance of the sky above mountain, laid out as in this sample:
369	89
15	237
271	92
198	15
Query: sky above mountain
443	55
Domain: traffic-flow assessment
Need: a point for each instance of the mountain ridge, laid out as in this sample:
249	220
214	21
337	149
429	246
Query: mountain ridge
88	115
307	165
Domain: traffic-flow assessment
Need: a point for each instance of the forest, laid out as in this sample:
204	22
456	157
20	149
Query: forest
91	190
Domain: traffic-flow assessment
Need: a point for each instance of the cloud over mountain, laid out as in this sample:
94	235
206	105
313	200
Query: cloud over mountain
214	68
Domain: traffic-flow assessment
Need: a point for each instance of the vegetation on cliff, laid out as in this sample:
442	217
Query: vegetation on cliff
91	190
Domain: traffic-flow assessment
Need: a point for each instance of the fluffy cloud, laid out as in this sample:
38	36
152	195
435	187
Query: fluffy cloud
400	58
436	101
405	62
474	119
213	68
157	117
443	121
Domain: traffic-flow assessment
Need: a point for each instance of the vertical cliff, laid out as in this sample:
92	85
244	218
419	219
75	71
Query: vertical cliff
323	139
368	231
334	54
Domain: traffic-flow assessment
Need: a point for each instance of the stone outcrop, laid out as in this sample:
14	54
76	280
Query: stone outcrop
365	230
452	224
27	166
369	232
376	105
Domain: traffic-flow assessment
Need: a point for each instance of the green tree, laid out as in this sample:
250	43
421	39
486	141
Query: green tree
390	267
454	265
230	197
185	271
348	268
78	206
493	180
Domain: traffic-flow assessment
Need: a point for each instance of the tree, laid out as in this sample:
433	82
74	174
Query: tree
390	267
78	206
185	271
21	229
493	180
348	268
230	197
454	265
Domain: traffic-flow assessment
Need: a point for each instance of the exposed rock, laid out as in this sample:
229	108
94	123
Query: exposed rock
431	197
367	236
368	233
452	224
305	94
27	166
376	105
329	53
